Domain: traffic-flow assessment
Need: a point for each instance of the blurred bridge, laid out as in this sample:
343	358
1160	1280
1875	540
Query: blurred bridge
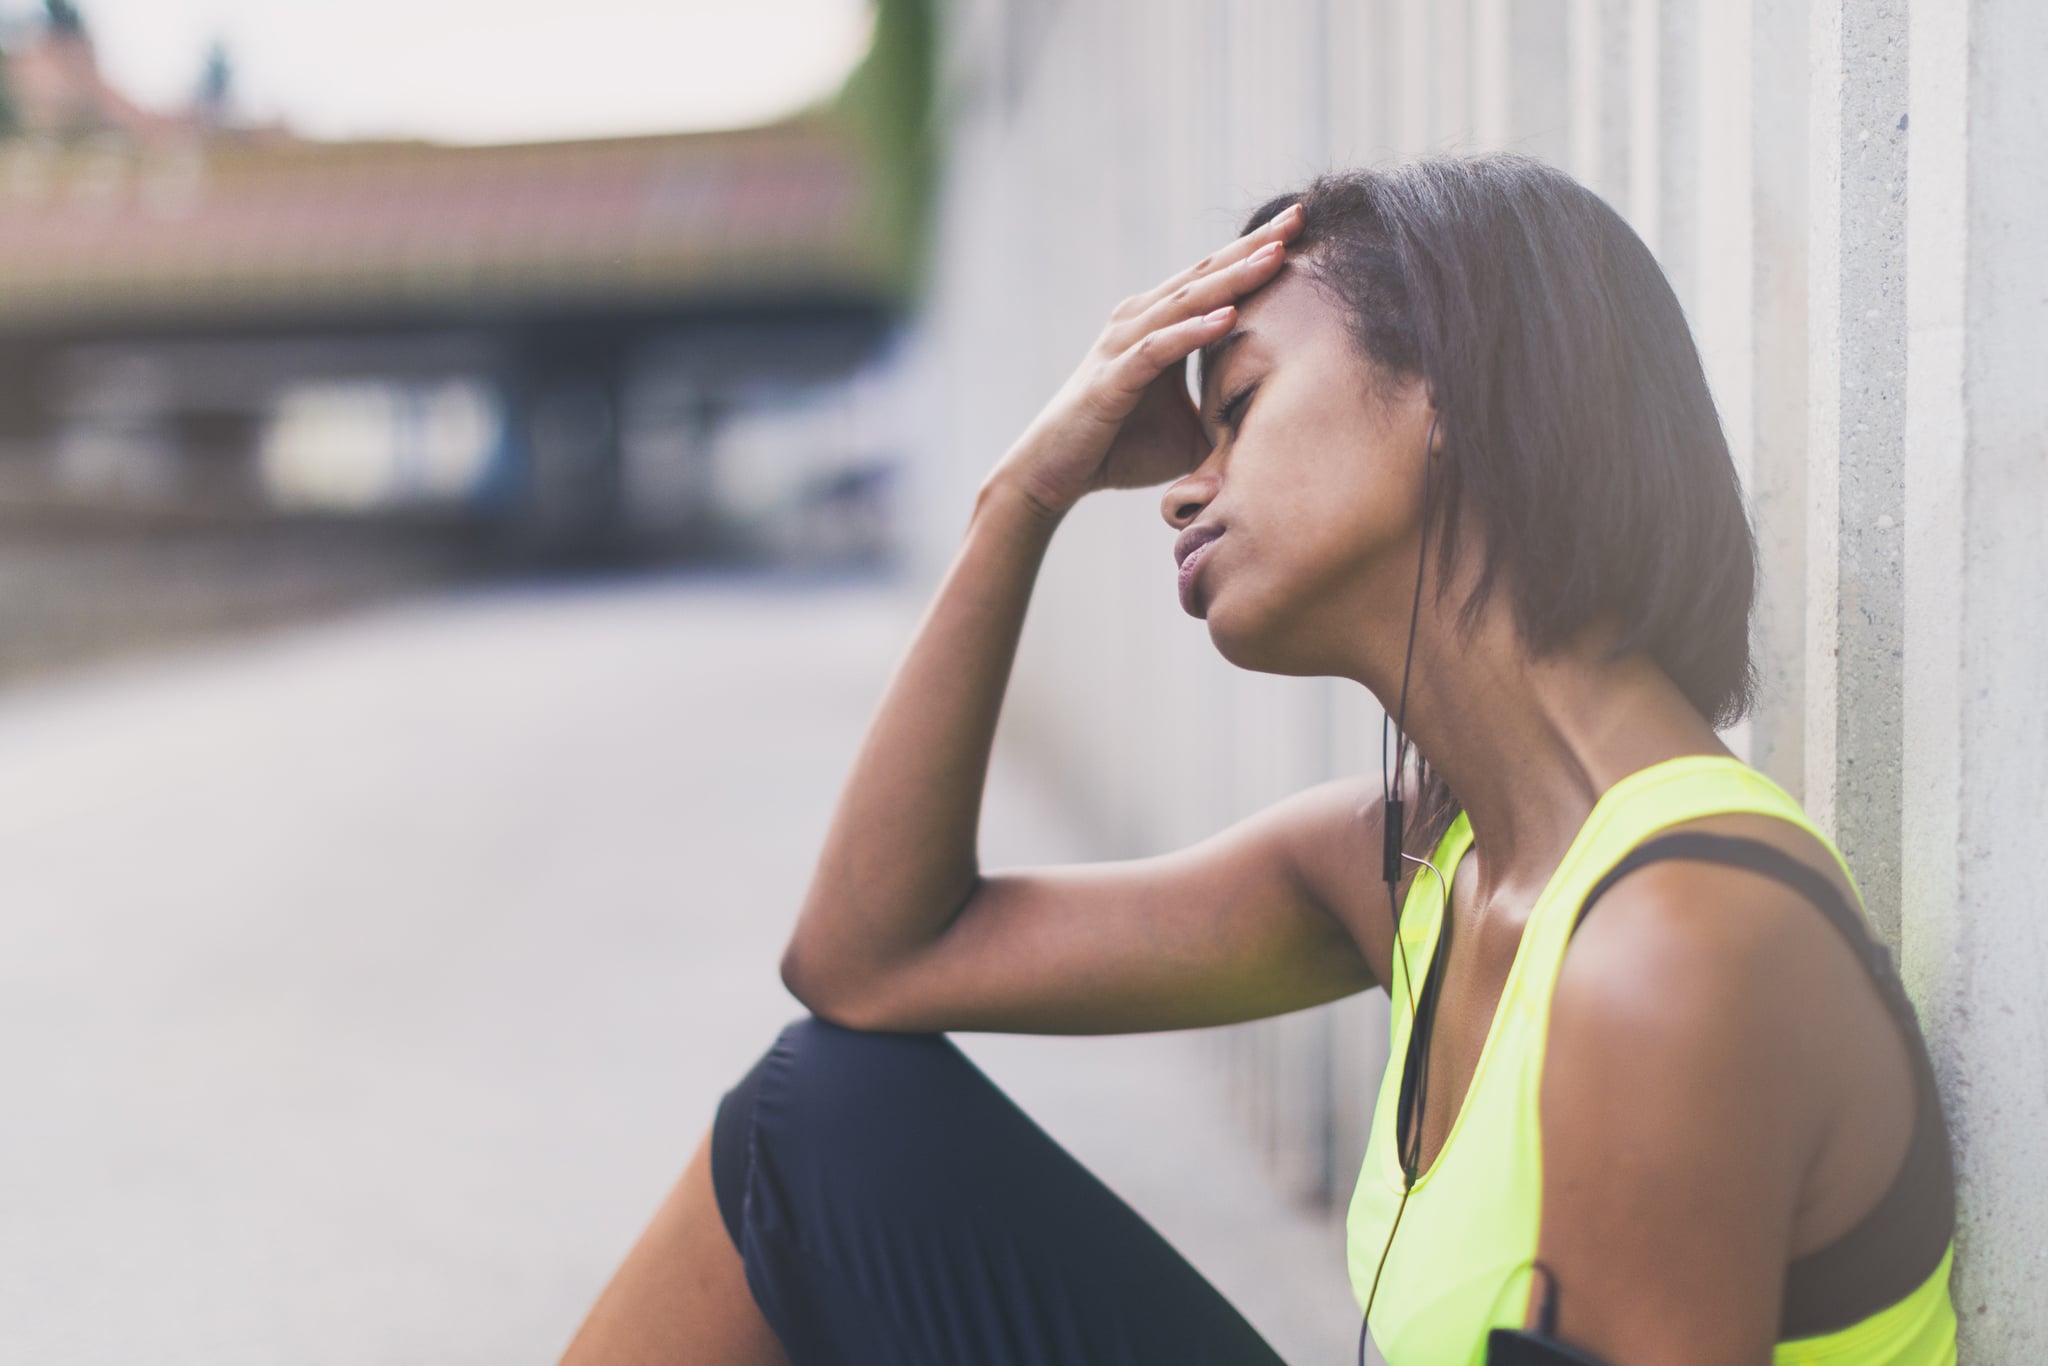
540	338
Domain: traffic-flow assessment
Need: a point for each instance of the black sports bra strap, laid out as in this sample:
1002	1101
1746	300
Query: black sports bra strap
1901	1240
1773	863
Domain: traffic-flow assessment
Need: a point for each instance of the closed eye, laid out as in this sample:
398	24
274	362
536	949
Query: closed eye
1232	410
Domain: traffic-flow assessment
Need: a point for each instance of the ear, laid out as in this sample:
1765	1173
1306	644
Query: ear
1435	429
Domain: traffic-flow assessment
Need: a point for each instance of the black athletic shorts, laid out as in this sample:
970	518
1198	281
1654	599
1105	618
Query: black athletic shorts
892	1205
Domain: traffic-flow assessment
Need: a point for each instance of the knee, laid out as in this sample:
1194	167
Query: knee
847	1108
825	1080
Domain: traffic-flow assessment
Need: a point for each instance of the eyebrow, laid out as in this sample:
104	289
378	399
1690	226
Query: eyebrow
1209	359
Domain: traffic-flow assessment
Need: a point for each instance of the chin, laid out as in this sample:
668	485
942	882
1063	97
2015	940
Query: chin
1249	638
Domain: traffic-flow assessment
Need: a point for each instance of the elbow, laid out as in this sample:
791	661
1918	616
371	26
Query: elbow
796	977
853	983
829	1001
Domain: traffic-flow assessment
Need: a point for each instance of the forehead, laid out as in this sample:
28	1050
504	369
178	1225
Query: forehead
1290	312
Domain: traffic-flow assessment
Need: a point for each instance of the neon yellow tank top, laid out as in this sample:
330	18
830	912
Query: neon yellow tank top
1461	1262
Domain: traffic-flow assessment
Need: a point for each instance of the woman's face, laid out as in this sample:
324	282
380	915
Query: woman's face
1315	483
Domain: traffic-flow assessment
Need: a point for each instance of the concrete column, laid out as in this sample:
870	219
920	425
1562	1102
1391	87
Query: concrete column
1539	99
1318	28
1679	82
1975	946
1521	72
1749	314
1408	42
1600	98
1277	96
1493	60
1856	439
1360	81
1777	486
1645	75
1450	75
1723	321
1584	31
1348	91
1662	39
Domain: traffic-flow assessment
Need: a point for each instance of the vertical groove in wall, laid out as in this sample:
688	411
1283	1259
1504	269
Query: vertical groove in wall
1676	55
1617	122
1409	77
1315	62
1856	456
1586	87
1776	131
1358	94
1644	73
1539	76
1601	123
1938	438
1493	59
1723	237
1383	54
1451	67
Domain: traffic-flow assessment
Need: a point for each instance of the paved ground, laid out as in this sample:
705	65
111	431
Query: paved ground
82	585
364	985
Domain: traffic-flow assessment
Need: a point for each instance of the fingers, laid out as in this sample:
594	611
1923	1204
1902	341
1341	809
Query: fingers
1146	359
1198	300
1279	228
1246	265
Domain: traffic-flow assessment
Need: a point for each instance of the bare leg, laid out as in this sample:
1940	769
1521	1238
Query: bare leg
680	1298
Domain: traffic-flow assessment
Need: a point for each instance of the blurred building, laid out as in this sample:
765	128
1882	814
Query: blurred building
208	318
1846	197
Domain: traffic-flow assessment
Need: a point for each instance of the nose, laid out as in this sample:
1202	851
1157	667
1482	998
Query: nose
1187	496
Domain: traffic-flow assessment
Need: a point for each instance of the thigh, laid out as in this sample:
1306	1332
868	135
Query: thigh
892	1204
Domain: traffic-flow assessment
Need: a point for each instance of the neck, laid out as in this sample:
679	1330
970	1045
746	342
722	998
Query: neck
1529	746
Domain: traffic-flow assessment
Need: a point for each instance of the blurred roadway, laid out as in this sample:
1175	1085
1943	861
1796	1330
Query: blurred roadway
364	985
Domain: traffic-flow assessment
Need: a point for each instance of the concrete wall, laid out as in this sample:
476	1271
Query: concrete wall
1846	196
1975	743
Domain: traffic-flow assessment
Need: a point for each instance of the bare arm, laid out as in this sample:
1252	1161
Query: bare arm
901	929
900	860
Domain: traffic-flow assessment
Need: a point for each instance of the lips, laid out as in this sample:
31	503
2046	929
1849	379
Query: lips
1190	565
1192	539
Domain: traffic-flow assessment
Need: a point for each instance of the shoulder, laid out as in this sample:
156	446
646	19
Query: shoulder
1707	987
1720	961
1333	833
1684	1101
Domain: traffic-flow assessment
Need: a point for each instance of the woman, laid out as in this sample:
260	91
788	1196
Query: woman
1454	443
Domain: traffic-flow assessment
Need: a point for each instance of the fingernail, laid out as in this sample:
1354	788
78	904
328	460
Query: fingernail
1218	315
1266	253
